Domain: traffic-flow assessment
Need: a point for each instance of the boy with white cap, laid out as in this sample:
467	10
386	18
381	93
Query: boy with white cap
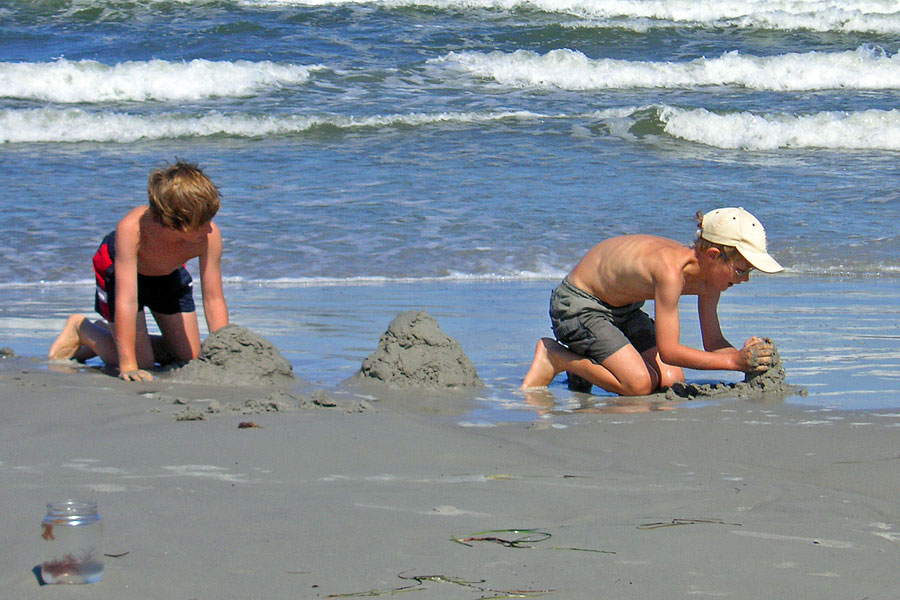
604	338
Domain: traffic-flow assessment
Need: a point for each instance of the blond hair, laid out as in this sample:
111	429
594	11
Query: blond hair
182	197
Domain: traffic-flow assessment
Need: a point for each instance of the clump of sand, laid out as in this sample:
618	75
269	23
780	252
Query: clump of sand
274	402
414	352
235	355
769	383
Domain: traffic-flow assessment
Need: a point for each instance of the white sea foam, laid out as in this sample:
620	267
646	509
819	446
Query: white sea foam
288	282
14	285
863	130
550	274
44	125
376	280
880	16
155	80
867	67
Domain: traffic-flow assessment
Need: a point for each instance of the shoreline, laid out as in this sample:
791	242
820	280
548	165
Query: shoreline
837	337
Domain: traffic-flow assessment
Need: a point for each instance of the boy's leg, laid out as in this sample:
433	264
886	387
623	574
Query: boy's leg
143	347
101	338
665	373
85	352
624	373
68	342
579	384
81	339
180	335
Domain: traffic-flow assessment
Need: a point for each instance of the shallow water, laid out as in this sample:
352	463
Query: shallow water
838	337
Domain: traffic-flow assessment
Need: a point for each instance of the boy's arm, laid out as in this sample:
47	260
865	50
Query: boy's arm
668	331
211	281
710	329
127	240
755	356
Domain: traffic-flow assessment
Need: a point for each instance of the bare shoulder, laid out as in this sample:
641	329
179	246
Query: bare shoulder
665	260
647	253
212	242
132	219
128	230
668	255
636	244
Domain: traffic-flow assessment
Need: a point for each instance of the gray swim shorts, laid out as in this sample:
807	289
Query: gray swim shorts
592	328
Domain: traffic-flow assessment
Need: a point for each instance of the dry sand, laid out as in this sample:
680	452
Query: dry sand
742	499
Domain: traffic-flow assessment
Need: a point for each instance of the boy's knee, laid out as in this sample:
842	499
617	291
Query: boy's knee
176	348
146	362
640	384
184	354
670	376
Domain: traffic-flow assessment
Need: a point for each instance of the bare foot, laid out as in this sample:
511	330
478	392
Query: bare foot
539	398
83	354
542	371
69	342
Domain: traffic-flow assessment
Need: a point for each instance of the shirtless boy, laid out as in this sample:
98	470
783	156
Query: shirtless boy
603	336
141	264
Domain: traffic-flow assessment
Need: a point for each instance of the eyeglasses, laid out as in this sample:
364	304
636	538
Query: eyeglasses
726	256
741	273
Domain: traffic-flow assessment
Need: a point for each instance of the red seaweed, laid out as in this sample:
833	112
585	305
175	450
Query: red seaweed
66	565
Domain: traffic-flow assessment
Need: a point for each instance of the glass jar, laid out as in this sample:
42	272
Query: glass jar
73	535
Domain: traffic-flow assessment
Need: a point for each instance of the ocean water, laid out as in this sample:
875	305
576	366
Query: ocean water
458	153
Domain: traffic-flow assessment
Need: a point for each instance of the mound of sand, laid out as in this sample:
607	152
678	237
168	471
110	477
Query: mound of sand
235	355
414	352
770	383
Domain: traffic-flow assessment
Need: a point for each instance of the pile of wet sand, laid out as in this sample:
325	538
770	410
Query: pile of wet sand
235	355
768	384
414	352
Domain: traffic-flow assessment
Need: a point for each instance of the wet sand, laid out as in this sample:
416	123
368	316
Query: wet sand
740	499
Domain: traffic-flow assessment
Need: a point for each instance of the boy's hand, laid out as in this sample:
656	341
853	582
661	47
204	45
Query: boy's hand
756	355
135	375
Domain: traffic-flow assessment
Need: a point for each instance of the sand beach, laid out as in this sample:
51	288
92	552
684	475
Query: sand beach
345	491
737	500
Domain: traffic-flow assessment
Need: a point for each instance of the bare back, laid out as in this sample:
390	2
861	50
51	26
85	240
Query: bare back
627	269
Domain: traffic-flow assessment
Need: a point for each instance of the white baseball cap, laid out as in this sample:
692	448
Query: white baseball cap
738	228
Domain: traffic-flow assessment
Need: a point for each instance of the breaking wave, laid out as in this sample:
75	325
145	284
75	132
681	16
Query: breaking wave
52	125
877	16
865	68
860	130
89	81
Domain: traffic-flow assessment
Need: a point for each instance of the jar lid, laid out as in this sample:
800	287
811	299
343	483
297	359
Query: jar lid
72	512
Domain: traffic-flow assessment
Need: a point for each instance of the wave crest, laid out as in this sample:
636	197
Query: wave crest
67	81
51	125
867	67
861	130
876	16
